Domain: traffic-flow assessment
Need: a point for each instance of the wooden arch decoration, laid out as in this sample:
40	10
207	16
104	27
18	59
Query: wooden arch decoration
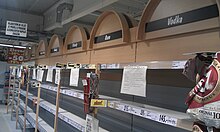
41	51
146	16
81	40
55	46
122	20
33	52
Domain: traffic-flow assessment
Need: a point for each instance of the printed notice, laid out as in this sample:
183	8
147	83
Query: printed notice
57	76
134	81
49	75
92	124
40	74
34	74
74	77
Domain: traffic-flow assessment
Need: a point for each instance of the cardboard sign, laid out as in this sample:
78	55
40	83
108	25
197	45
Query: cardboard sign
15	55
16	29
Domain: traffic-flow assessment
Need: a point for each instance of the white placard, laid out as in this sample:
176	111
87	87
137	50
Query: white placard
40	74
134	81
13	71
16	29
34	74
57	76
49	75
74	77
92	124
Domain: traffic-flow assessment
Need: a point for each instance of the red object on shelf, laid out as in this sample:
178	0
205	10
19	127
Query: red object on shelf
86	95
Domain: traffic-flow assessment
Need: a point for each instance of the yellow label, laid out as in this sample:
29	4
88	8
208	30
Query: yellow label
98	103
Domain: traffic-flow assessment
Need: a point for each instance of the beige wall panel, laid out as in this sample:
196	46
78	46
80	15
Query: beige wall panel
43	61
113	25
122	54
82	57
172	49
168	8
74	36
55	59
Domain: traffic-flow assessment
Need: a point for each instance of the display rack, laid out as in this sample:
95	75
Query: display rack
165	116
64	115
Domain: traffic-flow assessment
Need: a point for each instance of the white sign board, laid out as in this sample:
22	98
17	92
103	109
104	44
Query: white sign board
74	77
16	29
57	76
40	74
134	80
49	75
92	124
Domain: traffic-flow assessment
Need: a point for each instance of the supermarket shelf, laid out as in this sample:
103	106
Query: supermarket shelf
165	116
150	64
42	125
67	117
21	122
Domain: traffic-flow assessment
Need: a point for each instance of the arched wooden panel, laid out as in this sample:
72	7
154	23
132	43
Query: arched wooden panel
171	17
33	52
55	46
146	16
111	28
42	49
178	27
76	40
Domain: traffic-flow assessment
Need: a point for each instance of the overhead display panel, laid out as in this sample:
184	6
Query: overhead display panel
111	35
42	49
168	29
55	46
76	40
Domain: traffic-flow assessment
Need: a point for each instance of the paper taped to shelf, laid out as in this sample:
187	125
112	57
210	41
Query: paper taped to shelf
134	80
49	75
98	103
92	124
57	76
40	74
74	77
34	74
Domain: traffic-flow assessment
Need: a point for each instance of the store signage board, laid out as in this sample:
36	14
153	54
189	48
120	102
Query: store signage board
15	55
108	37
74	45
183	18
16	29
134	80
98	103
54	50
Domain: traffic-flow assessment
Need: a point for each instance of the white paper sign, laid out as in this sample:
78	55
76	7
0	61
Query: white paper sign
40	74
74	77
92	124
57	76
49	75
16	29
134	81
34	74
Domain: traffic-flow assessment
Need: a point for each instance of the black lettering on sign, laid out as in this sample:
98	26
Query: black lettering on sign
183	18
54	50
162	118
108	37
74	45
41	53
216	115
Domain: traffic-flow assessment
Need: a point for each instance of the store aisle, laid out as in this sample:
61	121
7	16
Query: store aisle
6	125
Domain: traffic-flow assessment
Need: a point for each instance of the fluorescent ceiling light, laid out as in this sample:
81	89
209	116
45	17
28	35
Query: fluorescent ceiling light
22	47
7	45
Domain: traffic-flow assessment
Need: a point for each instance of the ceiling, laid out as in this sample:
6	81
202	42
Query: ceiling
133	8
36	7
